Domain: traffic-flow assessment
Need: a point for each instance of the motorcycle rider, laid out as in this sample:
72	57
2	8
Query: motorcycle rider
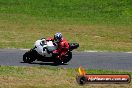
62	45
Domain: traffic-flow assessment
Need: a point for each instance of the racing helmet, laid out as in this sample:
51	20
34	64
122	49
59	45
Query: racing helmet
58	37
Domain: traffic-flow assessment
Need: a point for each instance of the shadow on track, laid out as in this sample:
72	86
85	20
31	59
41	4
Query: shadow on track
45	63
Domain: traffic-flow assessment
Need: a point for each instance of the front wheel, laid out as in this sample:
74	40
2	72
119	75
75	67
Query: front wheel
67	57
57	61
27	57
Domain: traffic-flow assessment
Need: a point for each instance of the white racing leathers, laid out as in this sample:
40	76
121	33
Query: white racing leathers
42	47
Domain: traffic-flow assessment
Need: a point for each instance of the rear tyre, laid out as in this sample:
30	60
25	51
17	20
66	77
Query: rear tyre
28	57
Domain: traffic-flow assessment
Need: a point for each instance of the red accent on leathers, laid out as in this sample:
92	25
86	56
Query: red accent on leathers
62	47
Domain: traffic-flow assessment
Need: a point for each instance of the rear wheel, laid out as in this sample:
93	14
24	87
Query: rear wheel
28	57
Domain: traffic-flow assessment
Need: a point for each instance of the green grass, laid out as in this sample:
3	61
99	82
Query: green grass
78	11
97	25
48	77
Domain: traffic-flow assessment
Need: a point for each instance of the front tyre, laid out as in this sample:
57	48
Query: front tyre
67	57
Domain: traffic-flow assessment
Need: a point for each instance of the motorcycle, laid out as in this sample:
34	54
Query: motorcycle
42	51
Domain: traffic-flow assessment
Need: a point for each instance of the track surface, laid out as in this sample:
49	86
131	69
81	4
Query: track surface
91	60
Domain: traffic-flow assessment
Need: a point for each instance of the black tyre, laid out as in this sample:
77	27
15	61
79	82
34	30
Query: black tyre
81	80
27	57
68	57
57	61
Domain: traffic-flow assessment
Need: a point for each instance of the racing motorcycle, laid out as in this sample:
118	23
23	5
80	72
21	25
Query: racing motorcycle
42	51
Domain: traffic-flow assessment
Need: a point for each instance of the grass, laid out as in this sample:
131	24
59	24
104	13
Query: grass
97	25
74	10
48	77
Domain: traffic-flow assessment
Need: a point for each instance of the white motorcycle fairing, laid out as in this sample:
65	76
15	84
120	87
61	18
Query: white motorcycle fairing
41	48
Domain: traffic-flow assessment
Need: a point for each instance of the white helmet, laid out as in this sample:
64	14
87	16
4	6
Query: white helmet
58	36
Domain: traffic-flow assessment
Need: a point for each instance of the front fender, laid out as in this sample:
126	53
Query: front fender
73	46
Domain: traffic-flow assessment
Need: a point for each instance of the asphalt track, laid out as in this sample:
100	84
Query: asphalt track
88	60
